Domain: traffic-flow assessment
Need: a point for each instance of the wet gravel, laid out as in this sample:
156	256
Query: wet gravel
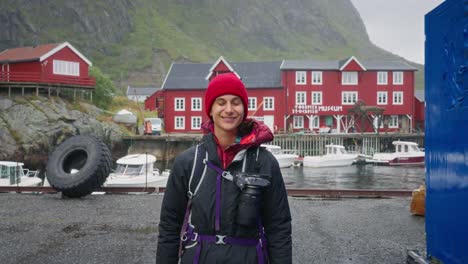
123	229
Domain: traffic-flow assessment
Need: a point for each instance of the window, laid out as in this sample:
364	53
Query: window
300	98
268	103
301	77
66	68
393	122
179	122
179	104
316	98
315	122
381	98
397	98
382	78
349	78
316	77
252	103
196	122
196	103
348	98
398	77
298	122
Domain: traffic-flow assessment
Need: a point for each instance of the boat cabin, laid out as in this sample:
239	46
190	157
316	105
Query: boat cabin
13	171
405	147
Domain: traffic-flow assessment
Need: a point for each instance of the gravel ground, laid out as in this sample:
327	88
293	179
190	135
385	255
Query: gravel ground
123	229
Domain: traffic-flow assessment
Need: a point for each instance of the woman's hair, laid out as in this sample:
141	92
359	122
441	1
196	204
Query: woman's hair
246	127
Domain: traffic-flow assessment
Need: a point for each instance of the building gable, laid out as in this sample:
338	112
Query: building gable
220	66
352	64
37	53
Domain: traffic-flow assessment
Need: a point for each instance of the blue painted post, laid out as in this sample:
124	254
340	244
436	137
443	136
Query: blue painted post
446	142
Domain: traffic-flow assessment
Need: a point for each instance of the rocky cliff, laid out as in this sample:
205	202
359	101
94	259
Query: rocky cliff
136	41
31	127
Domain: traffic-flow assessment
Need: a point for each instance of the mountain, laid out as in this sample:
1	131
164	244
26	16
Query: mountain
135	41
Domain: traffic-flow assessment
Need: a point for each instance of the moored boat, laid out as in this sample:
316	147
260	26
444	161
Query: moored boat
335	156
406	153
136	170
13	173
285	157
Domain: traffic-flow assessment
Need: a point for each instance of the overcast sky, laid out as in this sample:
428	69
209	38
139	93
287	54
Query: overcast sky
397	25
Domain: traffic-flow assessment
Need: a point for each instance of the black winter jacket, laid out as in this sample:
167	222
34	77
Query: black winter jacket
275	212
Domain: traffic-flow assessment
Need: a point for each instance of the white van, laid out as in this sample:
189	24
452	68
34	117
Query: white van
156	125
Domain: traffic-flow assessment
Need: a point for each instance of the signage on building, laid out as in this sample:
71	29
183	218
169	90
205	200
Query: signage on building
315	109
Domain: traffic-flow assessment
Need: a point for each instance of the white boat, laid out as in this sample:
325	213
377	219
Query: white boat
136	170
336	155
406	153
285	157
13	173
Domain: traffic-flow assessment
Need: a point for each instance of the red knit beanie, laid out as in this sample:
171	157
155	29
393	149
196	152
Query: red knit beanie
227	83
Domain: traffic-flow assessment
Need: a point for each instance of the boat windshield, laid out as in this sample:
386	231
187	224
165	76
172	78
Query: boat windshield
12	172
128	169
414	148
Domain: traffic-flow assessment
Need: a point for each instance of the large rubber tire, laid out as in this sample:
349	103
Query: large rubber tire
79	165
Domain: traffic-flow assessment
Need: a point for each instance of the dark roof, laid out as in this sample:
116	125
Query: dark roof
192	75
132	91
336	65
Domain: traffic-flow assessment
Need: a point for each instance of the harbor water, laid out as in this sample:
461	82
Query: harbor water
355	177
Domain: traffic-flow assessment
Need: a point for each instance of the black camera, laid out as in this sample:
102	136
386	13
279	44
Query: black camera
251	186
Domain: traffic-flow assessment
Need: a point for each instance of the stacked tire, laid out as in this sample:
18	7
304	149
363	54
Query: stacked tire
79	165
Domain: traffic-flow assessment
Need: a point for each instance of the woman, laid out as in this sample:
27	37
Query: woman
209	214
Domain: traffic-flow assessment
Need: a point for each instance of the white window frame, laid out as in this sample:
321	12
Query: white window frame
393	121
382	78
70	68
316	77
349	78
252	103
318	96
301	98
398	77
196	122
349	98
268	103
178	107
301	77
178	126
382	98
298	122
398	98
315	122
196	103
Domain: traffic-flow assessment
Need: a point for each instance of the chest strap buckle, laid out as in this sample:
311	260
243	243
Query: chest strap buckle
220	240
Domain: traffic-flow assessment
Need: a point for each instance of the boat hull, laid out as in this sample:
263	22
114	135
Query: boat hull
153	181
324	161
286	160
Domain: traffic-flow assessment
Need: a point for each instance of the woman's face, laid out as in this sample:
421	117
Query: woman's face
227	112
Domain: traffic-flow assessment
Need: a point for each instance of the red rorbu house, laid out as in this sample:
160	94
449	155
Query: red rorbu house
50	65
296	95
180	100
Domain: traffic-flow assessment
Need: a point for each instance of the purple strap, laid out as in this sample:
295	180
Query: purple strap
218	194
183	230
228	240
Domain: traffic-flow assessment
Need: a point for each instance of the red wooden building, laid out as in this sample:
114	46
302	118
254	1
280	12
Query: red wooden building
57	64
296	95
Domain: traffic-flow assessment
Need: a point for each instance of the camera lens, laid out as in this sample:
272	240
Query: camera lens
247	211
